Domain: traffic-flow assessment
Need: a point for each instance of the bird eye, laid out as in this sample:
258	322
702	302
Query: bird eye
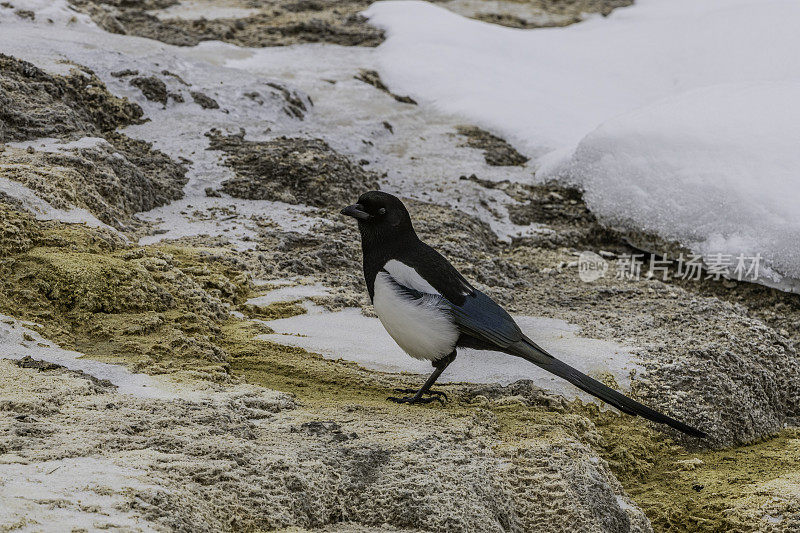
382	211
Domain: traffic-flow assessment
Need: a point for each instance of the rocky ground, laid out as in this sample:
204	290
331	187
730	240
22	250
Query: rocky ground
277	23
240	179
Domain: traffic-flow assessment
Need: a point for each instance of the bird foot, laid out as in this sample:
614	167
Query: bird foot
418	398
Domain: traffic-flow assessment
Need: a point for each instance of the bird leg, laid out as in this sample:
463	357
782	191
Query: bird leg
439	367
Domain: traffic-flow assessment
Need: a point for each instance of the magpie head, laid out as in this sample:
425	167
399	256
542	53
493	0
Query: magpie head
380	216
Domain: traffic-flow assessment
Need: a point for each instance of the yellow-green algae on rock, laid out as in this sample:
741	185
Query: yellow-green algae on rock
741	489
273	311
748	488
157	309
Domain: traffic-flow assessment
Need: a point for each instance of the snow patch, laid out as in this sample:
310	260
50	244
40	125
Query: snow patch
549	87
292	280
348	334
232	218
47	12
51	144
18	341
289	294
414	147
176	129
89	494
42	210
415	150
716	169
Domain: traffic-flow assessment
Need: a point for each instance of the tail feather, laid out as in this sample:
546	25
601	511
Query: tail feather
528	350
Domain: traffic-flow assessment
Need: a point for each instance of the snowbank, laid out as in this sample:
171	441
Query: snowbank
549	87
717	169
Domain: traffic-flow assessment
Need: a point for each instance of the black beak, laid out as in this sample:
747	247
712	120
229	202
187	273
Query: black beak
356	211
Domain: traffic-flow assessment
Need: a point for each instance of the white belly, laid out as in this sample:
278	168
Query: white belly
421	327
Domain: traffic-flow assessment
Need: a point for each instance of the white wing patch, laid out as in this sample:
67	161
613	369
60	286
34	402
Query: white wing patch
422	327
408	277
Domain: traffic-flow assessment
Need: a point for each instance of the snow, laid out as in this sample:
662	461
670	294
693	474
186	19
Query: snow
49	11
281	282
728	155
51	144
235	219
177	130
89	494
716	169
624	504
288	294
18	341
549	87
196	10
416	154
348	114
544	90
41	209
349	335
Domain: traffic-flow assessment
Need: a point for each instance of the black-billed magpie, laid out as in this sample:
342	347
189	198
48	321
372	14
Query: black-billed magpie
430	309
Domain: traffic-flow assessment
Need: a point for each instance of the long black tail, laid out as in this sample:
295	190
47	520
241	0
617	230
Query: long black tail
528	350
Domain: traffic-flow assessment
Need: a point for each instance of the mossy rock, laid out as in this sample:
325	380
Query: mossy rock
17	231
89	282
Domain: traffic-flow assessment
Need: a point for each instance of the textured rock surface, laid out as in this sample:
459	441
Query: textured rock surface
152	88
684	339
338	22
111	175
251	450
291	170
113	179
278	23
538	13
727	362
496	151
332	254
158	310
371	77
203	100
36	104
706	336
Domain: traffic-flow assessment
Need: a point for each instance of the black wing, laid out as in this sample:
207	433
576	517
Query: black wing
480	318
438	271
474	313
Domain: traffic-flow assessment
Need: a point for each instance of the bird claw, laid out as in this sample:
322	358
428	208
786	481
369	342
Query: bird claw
411	399
417	398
